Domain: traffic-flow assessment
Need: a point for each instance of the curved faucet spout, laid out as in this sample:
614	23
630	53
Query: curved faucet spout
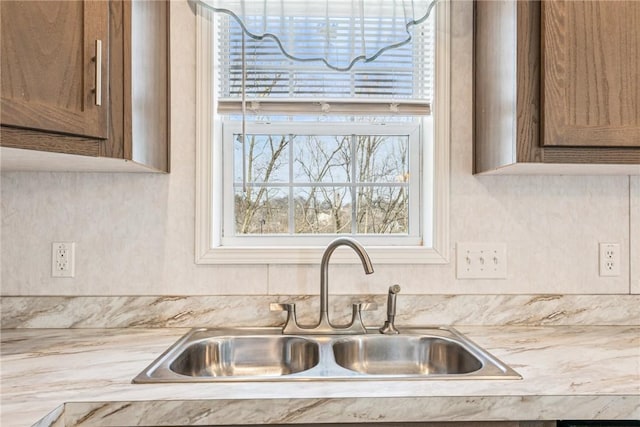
324	326
324	270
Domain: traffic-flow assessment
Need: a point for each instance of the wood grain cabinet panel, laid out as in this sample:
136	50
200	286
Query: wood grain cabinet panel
556	87
49	85
49	68
591	81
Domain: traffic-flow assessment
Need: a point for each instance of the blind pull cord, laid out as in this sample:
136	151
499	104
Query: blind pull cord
244	116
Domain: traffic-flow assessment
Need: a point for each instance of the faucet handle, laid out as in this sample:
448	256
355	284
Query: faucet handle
365	306
357	325
291	324
275	306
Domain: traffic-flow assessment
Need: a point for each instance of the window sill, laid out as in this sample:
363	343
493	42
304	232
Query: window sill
313	255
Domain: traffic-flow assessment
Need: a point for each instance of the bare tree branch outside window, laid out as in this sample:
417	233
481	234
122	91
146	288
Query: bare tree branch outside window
319	190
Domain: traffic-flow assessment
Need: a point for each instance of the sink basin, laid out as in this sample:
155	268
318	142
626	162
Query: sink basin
264	354
246	356
404	355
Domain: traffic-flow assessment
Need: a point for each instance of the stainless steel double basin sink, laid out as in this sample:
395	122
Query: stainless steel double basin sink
264	354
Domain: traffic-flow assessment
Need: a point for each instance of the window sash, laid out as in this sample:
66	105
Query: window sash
413	131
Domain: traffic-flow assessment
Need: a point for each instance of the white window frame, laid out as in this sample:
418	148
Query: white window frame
208	239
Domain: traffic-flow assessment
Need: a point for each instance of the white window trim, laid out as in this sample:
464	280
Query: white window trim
207	249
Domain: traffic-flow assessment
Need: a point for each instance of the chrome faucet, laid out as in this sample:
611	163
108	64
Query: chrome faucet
324	325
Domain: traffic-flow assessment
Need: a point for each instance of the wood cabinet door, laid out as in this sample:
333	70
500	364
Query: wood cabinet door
591	73
50	66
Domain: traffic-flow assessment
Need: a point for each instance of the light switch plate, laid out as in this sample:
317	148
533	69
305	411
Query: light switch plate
481	260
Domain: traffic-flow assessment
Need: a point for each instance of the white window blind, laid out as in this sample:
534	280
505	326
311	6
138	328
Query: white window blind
399	77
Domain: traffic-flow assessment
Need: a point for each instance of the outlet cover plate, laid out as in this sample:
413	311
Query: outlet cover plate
481	260
63	259
609	259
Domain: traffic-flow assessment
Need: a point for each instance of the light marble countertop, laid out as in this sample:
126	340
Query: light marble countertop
83	377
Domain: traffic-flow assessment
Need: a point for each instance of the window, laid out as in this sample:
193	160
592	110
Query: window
292	154
317	181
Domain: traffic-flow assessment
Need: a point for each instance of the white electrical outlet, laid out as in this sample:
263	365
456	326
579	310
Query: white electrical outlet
63	259
481	260
609	259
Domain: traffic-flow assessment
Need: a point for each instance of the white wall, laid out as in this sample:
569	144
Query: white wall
134	233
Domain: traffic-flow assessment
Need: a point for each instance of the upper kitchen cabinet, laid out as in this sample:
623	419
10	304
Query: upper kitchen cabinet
54	55
556	87
85	85
591	73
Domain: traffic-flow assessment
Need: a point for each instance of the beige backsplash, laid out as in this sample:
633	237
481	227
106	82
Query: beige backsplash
219	311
